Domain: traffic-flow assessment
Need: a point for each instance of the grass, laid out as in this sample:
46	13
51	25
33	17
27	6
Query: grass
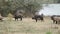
49	33
27	26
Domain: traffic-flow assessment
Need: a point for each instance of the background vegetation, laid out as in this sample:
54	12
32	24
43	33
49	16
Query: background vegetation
29	7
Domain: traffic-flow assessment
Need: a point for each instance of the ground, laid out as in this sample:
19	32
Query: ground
29	26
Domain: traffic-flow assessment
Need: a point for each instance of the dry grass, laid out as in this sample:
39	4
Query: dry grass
29	26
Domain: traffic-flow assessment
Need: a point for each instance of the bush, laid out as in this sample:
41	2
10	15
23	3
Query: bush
10	16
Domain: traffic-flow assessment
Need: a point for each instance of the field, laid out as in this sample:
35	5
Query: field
29	26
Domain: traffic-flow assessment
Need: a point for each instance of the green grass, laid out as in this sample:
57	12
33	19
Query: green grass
49	33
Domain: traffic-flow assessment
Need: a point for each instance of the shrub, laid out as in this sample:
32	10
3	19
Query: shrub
10	16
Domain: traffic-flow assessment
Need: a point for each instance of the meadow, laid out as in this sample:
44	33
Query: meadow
29	26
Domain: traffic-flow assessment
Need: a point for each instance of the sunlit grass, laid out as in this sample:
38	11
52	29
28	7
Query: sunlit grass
29	27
